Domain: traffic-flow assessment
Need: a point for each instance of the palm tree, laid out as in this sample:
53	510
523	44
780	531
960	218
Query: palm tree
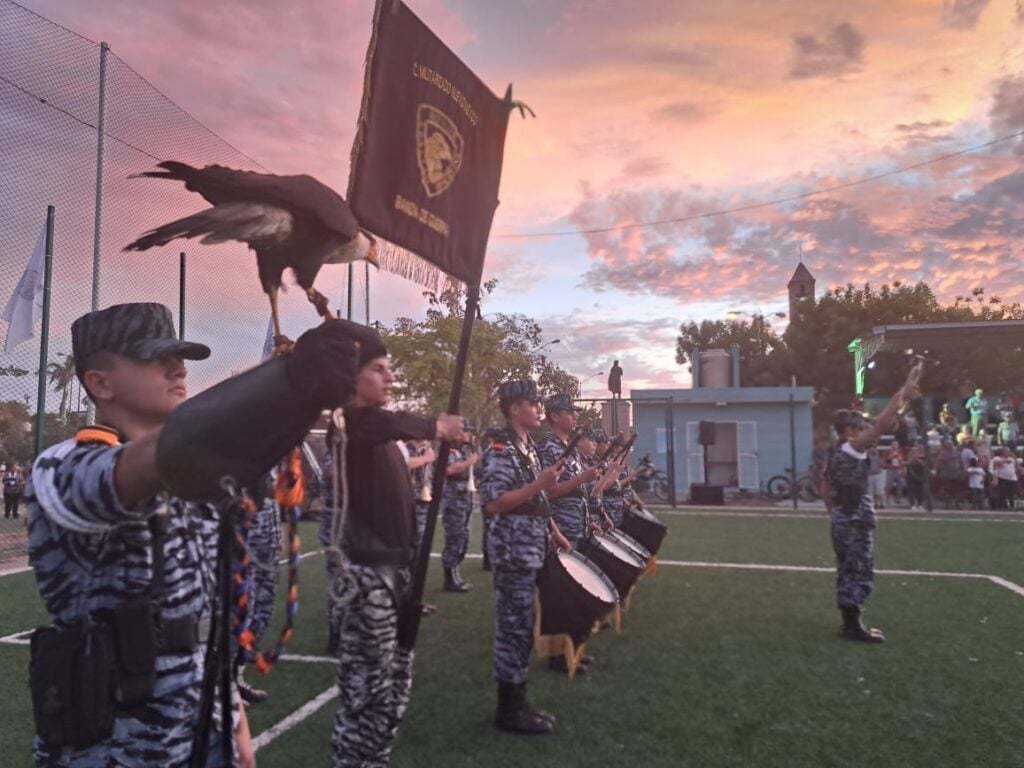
62	374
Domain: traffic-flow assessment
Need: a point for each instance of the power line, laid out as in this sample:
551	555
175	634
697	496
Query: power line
763	204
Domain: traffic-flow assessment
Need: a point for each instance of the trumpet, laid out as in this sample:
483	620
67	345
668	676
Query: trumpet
471	483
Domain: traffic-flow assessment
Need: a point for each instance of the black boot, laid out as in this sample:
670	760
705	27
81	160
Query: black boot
333	638
515	714
249	694
558	664
452	583
853	629
458	579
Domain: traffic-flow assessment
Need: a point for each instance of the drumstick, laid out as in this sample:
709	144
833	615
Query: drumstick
626	447
577	435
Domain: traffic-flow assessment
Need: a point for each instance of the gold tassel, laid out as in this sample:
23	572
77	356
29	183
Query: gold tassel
404	263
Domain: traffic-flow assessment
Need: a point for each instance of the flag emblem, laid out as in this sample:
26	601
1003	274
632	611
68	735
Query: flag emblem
438	149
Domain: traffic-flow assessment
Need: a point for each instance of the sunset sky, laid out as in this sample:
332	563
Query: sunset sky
650	110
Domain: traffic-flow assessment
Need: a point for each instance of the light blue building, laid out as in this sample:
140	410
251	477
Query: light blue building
751	431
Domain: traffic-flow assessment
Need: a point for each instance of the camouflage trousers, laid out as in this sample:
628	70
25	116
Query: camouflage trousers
854	545
421	519
374	675
513	622
456	507
264	549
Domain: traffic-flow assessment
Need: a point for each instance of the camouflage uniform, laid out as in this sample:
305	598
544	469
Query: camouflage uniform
853	526
89	554
517	545
571	511
614	504
264	547
456	506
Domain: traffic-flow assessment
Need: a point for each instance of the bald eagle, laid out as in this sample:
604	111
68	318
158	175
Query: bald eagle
289	221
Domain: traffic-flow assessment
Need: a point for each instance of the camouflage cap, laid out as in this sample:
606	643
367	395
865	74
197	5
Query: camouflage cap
560	403
518	389
142	331
848	418
598	435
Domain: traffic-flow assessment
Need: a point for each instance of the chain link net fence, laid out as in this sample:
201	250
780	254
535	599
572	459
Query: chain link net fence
50	99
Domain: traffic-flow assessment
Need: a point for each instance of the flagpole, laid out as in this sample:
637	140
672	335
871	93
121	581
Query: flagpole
409	621
45	336
351	276
181	299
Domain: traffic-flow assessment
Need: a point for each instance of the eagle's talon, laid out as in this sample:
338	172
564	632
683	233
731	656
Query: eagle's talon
282	345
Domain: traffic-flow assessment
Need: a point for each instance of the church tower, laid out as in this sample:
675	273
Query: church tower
801	288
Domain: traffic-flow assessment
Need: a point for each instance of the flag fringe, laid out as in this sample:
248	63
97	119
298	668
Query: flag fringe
404	263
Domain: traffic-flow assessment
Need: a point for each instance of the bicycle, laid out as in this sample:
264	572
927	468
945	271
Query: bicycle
808	486
651	478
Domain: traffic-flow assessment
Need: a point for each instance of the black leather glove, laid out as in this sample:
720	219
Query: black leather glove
323	365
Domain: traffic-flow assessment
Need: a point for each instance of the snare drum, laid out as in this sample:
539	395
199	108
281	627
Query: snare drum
645	528
618	563
574	594
631	544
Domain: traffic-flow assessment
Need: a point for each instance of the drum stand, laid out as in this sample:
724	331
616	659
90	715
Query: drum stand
546	646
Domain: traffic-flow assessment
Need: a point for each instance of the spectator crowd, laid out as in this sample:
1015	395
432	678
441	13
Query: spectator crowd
971	462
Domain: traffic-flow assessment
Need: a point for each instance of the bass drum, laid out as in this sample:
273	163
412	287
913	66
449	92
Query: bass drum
645	528
574	594
631	544
618	563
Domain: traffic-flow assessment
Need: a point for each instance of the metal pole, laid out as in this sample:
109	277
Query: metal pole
351	276
409	621
792	449
181	298
98	215
670	449
45	336
367	265
98	205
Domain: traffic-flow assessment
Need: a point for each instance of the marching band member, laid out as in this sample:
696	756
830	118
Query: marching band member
520	538
456	507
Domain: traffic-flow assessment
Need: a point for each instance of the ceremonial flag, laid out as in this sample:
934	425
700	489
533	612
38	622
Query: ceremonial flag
268	343
426	161
25	306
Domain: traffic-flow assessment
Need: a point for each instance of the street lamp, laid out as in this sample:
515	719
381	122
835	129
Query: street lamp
547	344
579	386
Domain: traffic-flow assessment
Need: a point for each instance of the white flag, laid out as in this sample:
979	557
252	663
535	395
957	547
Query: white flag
268	343
25	306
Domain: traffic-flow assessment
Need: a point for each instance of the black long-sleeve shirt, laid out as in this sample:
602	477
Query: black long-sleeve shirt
381	501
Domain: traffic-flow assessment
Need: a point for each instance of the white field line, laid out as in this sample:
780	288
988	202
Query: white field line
997	580
296	717
883	516
307	659
12	571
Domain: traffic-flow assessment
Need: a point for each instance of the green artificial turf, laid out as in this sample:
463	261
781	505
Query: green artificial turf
714	667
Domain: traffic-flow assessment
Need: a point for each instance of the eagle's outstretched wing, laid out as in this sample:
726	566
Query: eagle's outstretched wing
251	223
301	195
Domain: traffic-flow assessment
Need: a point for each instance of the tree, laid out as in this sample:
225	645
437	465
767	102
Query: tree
62	375
15	432
762	352
502	348
819	335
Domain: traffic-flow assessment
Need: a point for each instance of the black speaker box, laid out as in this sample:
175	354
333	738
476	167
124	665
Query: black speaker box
706	435
707	495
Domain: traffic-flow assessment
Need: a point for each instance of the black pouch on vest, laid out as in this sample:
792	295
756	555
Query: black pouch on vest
71	675
136	652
